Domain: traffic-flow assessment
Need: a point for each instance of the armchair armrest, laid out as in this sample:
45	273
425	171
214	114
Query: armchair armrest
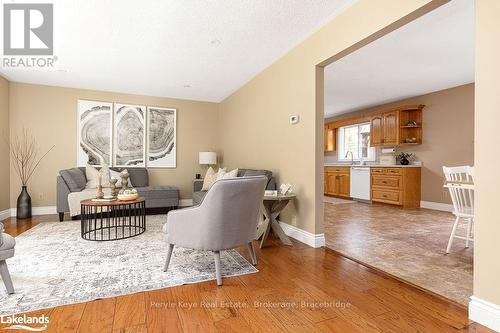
62	195
1	233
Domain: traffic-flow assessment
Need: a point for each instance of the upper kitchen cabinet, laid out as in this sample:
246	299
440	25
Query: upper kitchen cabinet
330	133
410	125
398	126
376	131
391	128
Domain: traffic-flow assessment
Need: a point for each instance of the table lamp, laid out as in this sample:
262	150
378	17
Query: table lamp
207	158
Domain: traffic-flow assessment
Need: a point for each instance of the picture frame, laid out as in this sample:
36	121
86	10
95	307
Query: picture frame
94	133
129	135
161	137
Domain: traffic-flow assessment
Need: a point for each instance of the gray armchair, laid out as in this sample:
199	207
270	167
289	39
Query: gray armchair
227	218
7	243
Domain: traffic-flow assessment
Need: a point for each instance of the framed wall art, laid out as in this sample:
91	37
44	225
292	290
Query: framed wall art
129	137
95	129
161	137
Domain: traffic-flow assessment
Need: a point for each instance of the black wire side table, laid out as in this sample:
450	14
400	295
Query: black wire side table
112	220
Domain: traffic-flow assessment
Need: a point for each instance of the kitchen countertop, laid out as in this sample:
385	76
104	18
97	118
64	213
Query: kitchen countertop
372	165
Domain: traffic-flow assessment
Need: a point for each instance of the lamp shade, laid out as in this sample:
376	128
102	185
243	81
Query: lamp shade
208	157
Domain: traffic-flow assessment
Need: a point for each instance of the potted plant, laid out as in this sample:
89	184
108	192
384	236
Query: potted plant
25	159
404	158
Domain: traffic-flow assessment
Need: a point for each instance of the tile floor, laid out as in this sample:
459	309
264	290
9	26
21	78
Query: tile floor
409	244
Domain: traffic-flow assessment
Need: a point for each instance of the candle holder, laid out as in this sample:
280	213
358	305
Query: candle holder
124	176
112	185
100	193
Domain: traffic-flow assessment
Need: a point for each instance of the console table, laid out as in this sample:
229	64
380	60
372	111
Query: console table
112	220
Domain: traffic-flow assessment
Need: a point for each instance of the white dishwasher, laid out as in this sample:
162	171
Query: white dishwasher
360	183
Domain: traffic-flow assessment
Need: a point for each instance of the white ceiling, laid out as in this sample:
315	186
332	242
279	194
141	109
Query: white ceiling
432	53
159	47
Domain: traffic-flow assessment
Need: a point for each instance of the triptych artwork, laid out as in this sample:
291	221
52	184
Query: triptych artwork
126	135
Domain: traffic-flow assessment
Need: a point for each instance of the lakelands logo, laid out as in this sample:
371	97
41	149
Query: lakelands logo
26	323
28	36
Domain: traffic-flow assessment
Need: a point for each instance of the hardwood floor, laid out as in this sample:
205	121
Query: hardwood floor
297	289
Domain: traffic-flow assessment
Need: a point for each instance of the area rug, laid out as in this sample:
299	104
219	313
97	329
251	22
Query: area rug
54	266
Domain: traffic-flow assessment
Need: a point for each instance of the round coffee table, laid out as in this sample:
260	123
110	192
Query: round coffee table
112	220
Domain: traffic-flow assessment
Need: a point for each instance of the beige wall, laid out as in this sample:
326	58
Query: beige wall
255	128
4	147
448	135
487	158
50	114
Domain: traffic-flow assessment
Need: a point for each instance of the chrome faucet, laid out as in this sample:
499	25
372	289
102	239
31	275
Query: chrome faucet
352	156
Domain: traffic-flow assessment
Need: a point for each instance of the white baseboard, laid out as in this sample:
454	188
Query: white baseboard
44	210
436	206
484	313
4	214
313	240
185	202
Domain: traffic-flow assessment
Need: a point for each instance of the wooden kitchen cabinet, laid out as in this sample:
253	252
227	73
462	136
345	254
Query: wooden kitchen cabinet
330	136
338	181
344	185
331	183
396	186
376	131
402	125
391	128
384	129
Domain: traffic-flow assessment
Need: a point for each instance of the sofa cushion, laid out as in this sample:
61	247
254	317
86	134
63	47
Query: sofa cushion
271	184
139	177
158	192
250	173
74	178
198	197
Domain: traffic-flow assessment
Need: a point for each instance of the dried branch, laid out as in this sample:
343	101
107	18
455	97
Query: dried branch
24	152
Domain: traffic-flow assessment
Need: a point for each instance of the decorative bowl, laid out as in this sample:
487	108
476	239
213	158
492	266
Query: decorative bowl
127	197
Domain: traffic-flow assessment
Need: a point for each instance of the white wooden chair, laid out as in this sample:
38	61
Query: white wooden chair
459	181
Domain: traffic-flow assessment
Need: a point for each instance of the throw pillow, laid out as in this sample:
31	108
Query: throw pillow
93	176
210	178
230	174
74	178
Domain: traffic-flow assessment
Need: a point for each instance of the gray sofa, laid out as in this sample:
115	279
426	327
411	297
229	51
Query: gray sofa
74	180
198	194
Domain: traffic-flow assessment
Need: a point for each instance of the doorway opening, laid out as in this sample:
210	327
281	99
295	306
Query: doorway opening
405	97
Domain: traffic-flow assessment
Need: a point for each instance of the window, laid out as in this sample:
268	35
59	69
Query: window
355	139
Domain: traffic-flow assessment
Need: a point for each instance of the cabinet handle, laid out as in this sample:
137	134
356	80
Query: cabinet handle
384	182
384	196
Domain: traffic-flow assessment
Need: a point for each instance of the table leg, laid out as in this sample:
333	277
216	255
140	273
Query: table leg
262	228
266	233
280	233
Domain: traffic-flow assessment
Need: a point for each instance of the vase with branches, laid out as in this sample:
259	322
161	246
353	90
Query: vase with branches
26	158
